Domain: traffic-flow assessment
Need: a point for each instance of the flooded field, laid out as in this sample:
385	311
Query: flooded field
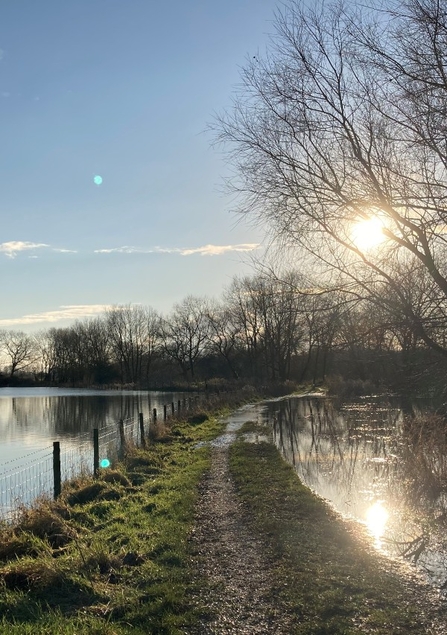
377	463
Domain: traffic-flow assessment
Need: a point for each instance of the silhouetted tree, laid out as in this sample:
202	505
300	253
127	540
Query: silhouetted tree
19	350
185	333
344	121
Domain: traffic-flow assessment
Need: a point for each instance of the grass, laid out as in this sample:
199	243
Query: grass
110	557
326	574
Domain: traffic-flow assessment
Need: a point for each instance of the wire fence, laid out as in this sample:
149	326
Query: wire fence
41	473
25	479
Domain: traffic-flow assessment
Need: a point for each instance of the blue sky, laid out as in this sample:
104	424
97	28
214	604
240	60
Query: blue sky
123	89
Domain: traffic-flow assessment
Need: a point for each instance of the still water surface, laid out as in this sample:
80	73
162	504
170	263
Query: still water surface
32	418
358	457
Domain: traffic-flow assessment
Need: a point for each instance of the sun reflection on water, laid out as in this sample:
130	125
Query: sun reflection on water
376	519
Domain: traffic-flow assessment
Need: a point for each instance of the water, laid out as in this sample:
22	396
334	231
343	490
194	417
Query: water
362	458
31	419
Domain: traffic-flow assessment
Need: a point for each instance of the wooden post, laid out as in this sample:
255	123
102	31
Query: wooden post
122	437
179	405
165	413
172	409
57	469
95	451
143	440
154	415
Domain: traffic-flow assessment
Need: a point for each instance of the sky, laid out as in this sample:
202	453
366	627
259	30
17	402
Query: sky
111	191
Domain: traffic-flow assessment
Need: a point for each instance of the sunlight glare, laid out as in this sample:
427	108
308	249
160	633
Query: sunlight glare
367	234
376	519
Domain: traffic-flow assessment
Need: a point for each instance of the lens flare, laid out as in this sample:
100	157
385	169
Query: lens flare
105	463
97	180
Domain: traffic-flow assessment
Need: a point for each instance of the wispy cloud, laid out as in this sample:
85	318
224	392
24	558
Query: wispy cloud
218	250
206	250
123	250
12	248
68	312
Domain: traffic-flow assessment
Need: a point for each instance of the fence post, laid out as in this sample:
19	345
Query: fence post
57	468
154	415
95	451
179	405
122	437
172	409
143	440
165	414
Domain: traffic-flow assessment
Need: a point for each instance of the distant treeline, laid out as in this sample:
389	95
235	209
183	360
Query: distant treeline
263	330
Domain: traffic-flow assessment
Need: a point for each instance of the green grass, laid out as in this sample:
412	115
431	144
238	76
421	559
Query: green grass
328	577
111	556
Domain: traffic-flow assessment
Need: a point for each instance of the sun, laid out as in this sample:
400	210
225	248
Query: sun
368	234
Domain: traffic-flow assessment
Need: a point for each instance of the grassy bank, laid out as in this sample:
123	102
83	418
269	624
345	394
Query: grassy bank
110	557
326	574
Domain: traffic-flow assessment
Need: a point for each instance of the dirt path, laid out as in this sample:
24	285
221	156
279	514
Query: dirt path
241	597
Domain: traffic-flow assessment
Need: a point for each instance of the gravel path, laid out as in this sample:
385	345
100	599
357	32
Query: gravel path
241	597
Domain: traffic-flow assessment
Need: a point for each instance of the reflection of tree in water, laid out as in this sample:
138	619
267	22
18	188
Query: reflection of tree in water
424	451
311	434
70	415
369	451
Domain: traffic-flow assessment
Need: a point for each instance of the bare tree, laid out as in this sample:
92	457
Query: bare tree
265	312
344	121
185	333
133	333
224	335
93	350
44	365
247	322
19	349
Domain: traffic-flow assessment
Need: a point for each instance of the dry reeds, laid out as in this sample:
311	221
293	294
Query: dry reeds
31	574
96	491
15	543
44	522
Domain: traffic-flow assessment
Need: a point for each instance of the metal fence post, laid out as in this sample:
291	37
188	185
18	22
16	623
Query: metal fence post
143	440
95	451
122	437
57	468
